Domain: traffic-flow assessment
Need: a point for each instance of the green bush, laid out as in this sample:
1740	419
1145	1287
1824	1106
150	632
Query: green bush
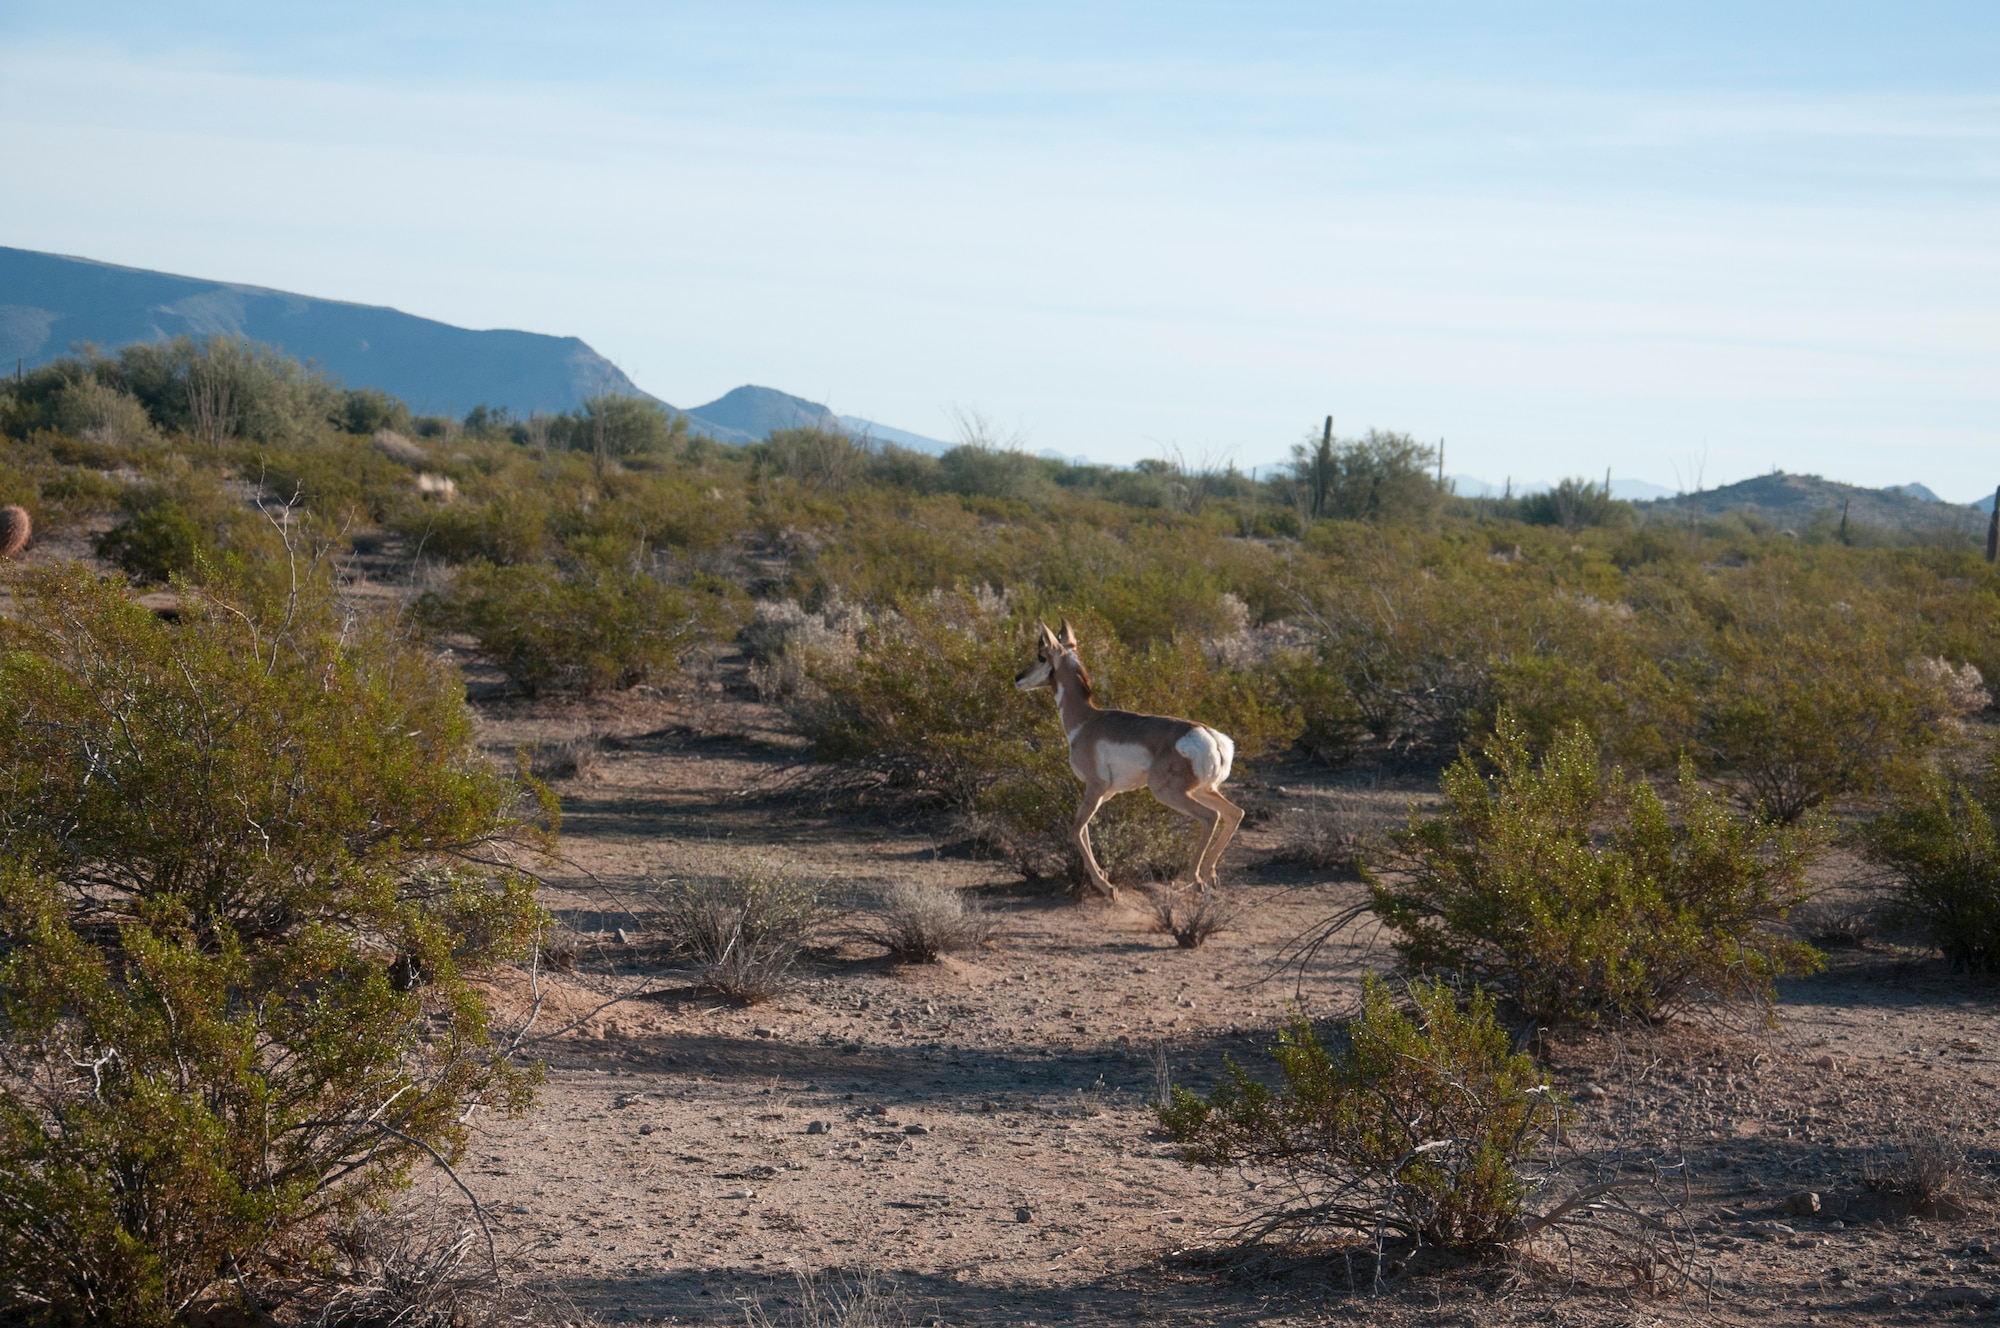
1943	844
236	926
184	525
1574	504
592	629
1417	1125
1576	894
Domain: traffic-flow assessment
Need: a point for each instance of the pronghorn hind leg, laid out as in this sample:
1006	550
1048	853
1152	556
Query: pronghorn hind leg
1228	816
1094	796
1189	805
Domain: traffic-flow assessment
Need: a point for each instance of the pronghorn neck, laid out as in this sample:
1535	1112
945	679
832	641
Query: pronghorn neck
1073	701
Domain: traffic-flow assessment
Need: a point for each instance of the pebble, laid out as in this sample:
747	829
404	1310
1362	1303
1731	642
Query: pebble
741	1194
1829	1062
1592	1092
916	1129
1803	1204
767	1032
646	1128
818	1127
1769	1230
1023	1214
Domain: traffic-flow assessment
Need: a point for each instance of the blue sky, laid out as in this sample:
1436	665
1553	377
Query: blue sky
1682	241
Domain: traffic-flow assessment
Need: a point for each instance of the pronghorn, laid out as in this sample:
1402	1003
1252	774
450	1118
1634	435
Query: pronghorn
1116	751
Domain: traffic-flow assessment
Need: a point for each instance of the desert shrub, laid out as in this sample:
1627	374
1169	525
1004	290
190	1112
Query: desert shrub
185	525
574	757
749	929
220	388
511	528
1574	504
919	923
1189	913
96	411
1943	844
592	629
1415	1123
215	837
1332	834
1382	477
1513	887
1930	1170
367	411
980	471
1800	714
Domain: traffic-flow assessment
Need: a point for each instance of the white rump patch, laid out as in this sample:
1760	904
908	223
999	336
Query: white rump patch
1209	752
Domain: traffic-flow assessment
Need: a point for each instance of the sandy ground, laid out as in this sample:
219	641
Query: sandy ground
976	1133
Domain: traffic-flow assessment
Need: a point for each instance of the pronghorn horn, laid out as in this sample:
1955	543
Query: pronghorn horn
1048	637
1068	634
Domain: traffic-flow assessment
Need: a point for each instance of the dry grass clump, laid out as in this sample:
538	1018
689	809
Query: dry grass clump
918	923
1930	1171
1190	913
571	758
750	928
398	448
1837	925
1330	835
862	1302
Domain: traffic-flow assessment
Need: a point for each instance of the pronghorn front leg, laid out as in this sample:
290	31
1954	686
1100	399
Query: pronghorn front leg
1094	796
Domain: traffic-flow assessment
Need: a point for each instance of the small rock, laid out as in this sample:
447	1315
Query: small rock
878	1110
989	1105
1830	1062
1836	1225
916	1129
646	1128
1769	1230
741	1194
624	1100
817	1127
1023	1213
1592	1092
1959	1296
1803	1204
767	1032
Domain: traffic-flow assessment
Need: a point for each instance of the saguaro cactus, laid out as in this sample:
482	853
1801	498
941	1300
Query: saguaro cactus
14	530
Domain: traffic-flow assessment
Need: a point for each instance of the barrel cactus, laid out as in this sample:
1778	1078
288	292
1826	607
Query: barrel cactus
14	530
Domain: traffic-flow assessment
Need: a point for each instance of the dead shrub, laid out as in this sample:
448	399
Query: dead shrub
1190	913
862	1301
749	928
571	758
1930	1171
1139	842
422	1271
1833	925
918	923
1330	835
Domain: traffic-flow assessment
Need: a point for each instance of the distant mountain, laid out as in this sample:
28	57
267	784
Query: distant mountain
1918	491
751	413
50	303
1983	505
1791	502
882	433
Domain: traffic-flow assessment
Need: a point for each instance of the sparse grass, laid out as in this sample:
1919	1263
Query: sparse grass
918	923
1190	913
750	928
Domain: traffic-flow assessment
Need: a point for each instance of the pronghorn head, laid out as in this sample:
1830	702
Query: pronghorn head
1049	651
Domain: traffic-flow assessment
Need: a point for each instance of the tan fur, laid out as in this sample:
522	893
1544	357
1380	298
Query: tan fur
1116	751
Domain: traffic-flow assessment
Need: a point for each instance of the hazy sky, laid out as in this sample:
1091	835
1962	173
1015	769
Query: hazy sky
1677	239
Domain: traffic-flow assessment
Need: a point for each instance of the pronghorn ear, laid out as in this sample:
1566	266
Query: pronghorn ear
1068	635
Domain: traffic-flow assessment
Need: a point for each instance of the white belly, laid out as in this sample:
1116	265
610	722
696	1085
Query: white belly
1122	765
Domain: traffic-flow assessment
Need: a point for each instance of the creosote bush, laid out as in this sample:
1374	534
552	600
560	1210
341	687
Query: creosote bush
239	903
749	929
919	923
1943	844
1415	1123
1577	894
593	629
